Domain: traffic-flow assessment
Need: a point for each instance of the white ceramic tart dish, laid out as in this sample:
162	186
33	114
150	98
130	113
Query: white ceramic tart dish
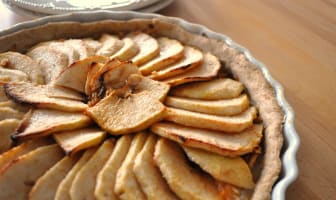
183	115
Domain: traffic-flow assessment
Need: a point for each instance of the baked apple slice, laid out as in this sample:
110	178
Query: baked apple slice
15	106
14	60
39	96
10	113
222	143
229	124
107	176
129	50
126	185
83	49
192	58
84	183
59	45
137	105
234	171
25	147
46	186
43	122
76	140
148	47
110	45
7	127
54	91
148	174
207	70
22	173
224	107
3	96
74	76
135	112
51	61
216	89
170	51
92	45
12	75
186	182
63	189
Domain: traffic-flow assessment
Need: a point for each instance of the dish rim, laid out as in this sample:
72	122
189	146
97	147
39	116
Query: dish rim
289	171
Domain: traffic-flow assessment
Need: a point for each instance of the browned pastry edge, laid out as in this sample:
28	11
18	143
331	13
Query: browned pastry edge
260	91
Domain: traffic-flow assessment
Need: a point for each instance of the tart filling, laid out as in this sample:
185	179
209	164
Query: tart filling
148	113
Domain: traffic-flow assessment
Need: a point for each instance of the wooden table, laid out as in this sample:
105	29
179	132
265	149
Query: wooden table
297	41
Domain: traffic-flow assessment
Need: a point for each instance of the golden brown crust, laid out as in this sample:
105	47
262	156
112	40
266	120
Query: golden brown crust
260	91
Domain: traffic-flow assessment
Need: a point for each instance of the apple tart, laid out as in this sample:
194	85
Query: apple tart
136	109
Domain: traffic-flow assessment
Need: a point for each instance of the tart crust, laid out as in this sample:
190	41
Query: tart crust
260	91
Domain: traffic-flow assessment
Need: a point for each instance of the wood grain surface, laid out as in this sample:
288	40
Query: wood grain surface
296	40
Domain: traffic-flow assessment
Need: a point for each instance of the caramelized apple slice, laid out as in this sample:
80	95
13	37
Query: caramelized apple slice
116	76
126	185
113	75
214	141
229	170
76	140
148	47
192	58
129	50
186	182
92	70
46	186
148	175
84	183
25	64
210	90
216	107
22	173
63	189
107	176
230	124
27	146
135	112
12	75
38	95
10	113
110	45
170	51
94	79
206	70
7	127
43	122
74	76
52	62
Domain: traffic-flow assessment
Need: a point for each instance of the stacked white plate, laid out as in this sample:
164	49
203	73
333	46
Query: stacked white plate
51	7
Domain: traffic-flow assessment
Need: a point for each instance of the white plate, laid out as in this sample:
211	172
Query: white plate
46	7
